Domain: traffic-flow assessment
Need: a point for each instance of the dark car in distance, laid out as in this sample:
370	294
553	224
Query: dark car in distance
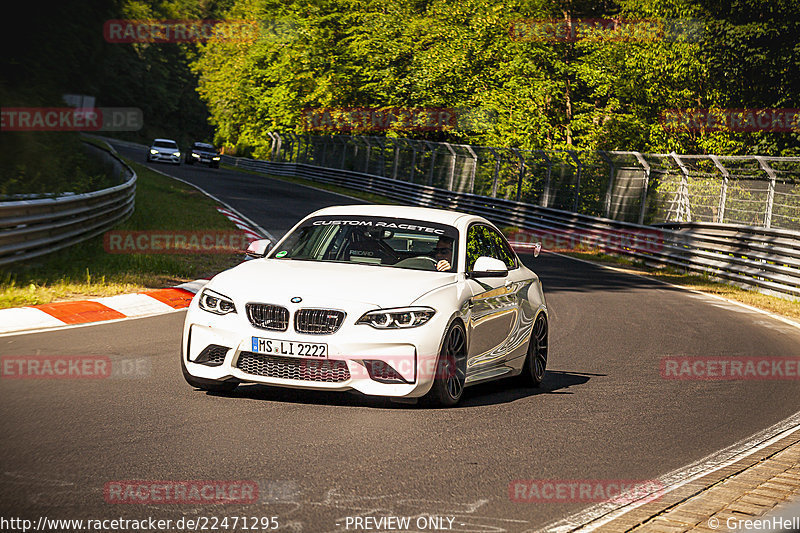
203	153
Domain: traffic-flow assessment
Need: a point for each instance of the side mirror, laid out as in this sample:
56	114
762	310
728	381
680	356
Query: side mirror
258	249
488	267
537	248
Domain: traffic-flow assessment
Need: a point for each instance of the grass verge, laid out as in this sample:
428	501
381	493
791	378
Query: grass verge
87	270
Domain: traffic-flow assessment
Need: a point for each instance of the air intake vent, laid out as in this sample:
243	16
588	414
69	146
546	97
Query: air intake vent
212	355
273	366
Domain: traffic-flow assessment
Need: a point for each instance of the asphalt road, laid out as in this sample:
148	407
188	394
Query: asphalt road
604	411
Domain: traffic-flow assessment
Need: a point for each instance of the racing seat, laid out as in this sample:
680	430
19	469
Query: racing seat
363	249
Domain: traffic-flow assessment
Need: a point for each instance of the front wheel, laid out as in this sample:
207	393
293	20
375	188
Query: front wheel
451	368
536	360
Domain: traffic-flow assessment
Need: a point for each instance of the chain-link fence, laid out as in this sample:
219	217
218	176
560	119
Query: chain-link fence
624	186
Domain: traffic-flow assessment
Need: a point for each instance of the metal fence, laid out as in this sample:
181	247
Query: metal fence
764	258
624	186
33	227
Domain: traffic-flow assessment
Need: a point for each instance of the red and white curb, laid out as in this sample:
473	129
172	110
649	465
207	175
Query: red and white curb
240	223
60	314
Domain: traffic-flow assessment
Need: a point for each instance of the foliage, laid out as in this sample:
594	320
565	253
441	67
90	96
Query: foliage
603	91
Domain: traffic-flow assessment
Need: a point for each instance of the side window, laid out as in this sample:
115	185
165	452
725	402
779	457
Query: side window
501	250
479	243
483	240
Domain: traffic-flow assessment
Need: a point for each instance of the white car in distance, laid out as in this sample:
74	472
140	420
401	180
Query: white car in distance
402	302
164	150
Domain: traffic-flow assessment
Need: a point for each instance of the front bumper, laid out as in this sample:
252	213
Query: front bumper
166	158
205	159
395	363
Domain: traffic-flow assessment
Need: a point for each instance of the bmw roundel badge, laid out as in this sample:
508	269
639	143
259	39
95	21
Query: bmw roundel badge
296	300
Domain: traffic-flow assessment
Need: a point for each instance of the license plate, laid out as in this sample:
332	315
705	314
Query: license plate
289	348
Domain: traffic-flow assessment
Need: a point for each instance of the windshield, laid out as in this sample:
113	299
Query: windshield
391	242
165	144
204	146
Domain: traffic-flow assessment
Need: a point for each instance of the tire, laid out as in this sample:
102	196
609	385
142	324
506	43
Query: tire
535	366
209	385
451	369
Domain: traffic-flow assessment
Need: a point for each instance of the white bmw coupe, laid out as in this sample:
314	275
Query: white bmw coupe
403	302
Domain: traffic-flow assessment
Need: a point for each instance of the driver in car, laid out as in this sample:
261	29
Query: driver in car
443	253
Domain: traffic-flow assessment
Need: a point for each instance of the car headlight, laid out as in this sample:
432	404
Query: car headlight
216	303
215	158
401	317
195	155
154	152
176	154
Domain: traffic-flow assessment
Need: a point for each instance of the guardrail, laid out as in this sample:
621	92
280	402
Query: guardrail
628	186
764	258
30	228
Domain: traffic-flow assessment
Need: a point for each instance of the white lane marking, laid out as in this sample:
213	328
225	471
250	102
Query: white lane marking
264	232
689	289
25	318
598	515
134	304
241	224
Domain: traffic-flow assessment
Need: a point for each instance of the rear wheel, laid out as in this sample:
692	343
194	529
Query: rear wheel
536	361
209	385
451	368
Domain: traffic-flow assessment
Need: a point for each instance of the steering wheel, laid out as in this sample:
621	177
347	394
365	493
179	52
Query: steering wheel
421	262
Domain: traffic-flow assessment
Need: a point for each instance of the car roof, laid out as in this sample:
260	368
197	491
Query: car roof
440	216
165	140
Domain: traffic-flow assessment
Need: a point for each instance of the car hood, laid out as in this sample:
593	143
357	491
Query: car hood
326	284
164	150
